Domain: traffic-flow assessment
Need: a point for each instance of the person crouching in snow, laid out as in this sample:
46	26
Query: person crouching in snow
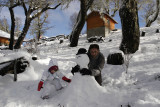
51	80
96	63
82	61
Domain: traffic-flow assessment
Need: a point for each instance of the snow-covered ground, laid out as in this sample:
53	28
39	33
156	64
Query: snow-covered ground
138	88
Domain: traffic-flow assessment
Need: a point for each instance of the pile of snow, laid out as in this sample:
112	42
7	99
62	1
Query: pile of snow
138	88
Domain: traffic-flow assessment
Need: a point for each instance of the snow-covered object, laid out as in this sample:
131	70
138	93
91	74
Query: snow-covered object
82	60
86	83
116	51
83	89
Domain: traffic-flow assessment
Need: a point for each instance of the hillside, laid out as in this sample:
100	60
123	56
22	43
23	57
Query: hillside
138	88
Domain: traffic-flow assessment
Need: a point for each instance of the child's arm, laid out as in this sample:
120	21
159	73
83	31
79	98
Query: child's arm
61	75
66	79
40	85
44	77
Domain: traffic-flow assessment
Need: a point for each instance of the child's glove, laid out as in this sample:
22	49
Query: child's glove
75	69
66	79
85	71
40	85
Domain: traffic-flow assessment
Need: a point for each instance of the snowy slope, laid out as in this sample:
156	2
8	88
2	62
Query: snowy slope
138	88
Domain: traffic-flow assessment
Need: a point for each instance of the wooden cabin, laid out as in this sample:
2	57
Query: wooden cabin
4	38
99	24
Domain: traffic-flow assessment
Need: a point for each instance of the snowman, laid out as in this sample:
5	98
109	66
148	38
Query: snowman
82	61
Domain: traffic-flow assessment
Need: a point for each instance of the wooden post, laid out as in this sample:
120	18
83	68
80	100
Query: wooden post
15	70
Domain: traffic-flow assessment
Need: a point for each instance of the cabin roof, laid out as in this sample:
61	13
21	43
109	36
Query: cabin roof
5	35
96	12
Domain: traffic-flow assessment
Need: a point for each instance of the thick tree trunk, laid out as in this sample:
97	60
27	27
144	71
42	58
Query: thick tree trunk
130	27
79	25
11	43
77	31
74	36
150	21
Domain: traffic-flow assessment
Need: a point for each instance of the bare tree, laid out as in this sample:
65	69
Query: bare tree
142	3
40	26
74	36
101	5
11	6
116	6
152	15
29	7
31	14
150	10
4	25
111	7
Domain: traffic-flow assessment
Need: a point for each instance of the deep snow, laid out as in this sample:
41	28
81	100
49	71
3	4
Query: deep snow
138	88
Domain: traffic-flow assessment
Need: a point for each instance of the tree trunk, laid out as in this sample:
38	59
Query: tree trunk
79	25
150	21
74	36
130	27
23	34
11	43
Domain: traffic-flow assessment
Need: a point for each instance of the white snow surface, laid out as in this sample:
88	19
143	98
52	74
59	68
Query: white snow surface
140	87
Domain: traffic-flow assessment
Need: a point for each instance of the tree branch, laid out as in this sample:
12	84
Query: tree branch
25	8
45	9
155	16
90	2
15	5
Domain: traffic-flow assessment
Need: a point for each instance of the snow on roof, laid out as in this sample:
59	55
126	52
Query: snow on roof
4	34
104	14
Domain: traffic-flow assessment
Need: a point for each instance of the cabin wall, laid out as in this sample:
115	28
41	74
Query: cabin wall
98	31
98	26
4	41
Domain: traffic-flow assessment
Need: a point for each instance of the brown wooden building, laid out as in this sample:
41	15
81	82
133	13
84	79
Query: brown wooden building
99	25
4	38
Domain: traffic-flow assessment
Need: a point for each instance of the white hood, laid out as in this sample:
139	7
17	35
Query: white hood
52	62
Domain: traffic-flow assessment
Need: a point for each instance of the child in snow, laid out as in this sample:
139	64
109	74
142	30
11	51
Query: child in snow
51	80
82	61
